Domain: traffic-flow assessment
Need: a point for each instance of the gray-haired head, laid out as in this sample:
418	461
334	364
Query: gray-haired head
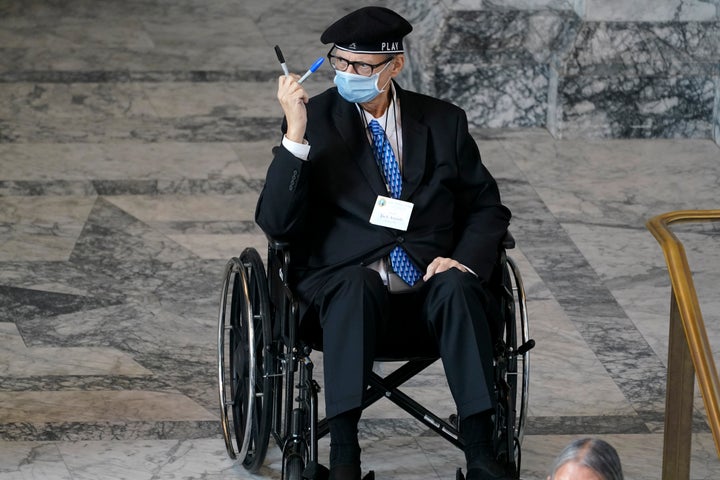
592	453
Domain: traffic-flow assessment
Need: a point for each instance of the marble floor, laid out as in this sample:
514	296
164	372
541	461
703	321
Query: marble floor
134	137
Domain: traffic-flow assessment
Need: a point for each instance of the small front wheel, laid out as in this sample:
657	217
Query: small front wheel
293	468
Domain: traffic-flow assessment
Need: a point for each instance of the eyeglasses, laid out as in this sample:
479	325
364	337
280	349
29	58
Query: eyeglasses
362	68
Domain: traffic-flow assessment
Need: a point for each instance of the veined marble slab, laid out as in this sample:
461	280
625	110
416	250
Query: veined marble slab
162	62
249	99
201	458
166	459
507	36
26	101
665	50
98	406
612	249
533	65
17	360
619	182
493	63
139	129
219	246
566	376
120	161
521	4
91	113
167	208
519	102
211	32
32	460
651	11
41	228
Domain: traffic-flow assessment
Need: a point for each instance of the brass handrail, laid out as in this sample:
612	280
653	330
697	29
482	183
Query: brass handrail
685	317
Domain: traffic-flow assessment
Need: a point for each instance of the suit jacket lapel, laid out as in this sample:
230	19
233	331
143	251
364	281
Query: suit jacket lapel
415	137
349	124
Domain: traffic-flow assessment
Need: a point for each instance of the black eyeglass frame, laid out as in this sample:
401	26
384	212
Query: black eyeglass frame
355	65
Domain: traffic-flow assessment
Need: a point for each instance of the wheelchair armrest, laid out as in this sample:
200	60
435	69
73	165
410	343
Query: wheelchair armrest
278	245
508	241
279	266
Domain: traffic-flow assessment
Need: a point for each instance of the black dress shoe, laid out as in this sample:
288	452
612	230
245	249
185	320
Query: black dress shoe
345	472
482	473
487	468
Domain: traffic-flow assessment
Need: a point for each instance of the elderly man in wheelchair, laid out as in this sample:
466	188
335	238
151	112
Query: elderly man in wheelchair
397	235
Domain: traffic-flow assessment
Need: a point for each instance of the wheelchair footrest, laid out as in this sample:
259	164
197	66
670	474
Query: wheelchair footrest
460	476
315	471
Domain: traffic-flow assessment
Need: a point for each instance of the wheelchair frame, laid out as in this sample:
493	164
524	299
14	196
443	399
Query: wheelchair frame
265	374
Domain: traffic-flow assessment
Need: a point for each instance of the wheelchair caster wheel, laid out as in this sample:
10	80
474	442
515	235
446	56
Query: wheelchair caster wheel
315	471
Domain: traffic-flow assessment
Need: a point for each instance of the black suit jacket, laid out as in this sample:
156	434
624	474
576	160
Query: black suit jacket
322	206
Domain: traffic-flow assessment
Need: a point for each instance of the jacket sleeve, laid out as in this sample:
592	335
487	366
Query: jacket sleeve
481	219
283	202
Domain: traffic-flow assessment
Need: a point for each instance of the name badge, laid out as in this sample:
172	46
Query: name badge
391	213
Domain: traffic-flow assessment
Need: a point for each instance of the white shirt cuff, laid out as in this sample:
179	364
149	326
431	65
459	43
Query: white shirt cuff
300	150
469	270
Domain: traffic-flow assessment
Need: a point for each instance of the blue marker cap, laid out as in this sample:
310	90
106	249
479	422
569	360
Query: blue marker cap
314	67
317	64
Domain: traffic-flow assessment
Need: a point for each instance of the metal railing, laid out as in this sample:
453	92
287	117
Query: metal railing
689	350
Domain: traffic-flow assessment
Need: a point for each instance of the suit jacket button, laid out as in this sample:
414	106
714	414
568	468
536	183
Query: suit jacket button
400	239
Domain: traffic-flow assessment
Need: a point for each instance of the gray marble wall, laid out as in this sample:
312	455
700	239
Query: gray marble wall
597	68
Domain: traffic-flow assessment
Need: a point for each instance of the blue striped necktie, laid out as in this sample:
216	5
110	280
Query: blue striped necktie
399	260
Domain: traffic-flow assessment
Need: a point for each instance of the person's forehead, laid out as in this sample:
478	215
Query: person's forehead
575	471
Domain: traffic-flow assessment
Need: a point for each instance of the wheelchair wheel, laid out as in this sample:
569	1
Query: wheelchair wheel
245	360
513	368
522	344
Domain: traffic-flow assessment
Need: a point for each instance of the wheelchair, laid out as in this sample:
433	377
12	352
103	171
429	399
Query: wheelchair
265	373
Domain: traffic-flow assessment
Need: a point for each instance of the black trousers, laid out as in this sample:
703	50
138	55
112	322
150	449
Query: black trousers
448	316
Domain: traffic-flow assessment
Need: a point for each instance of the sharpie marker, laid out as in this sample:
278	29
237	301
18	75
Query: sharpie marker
312	69
281	59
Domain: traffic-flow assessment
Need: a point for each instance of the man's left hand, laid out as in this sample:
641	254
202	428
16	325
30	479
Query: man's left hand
440	264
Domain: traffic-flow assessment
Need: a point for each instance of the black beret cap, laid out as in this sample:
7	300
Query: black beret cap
368	30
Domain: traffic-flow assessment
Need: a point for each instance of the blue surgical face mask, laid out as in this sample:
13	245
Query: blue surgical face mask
357	88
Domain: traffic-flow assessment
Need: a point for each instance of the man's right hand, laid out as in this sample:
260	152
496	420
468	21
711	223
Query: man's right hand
293	97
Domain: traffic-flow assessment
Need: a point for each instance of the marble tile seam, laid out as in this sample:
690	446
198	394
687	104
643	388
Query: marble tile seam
136	76
191	129
536	425
368	429
74	382
501	59
14	75
115	187
76	431
609	225
101	405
